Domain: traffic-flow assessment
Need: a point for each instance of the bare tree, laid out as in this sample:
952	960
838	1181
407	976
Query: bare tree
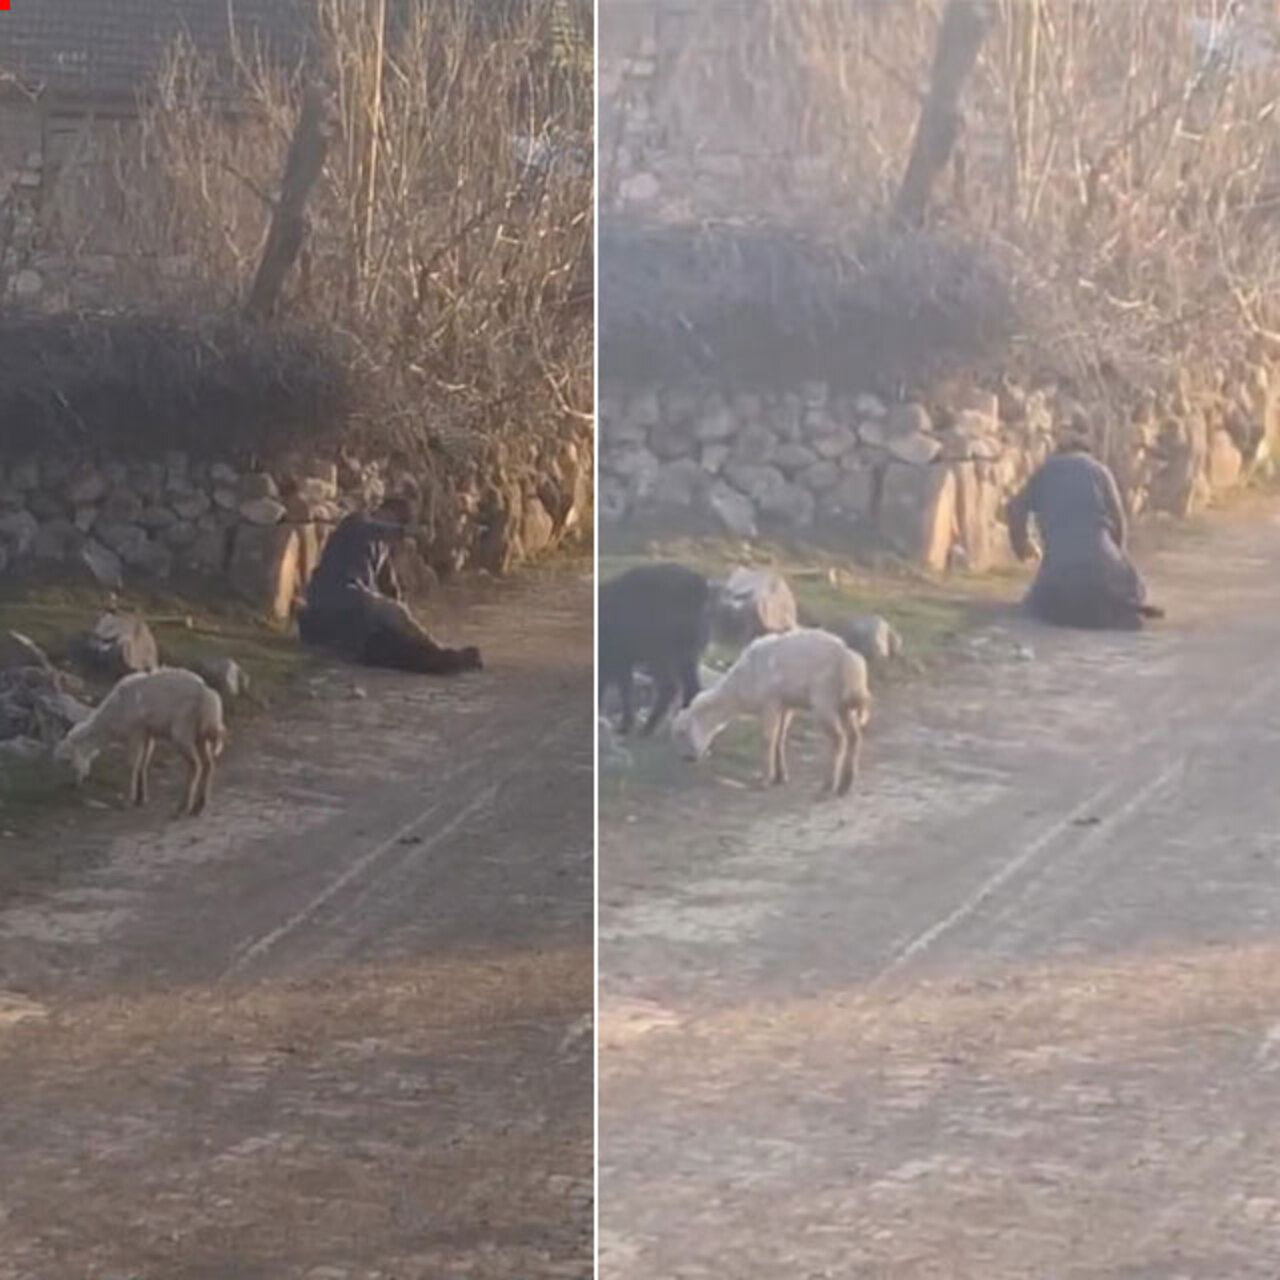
965	25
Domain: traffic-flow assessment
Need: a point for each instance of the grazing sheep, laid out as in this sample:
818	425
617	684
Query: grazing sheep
776	676
169	703
654	616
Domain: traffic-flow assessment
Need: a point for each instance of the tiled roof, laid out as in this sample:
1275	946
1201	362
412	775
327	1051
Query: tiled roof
107	48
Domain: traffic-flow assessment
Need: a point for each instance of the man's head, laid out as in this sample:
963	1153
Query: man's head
396	510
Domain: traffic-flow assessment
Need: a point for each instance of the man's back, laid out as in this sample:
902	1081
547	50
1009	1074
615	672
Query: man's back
353	557
1075	502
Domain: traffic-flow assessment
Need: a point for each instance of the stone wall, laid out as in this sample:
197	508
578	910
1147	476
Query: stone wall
261	530
927	481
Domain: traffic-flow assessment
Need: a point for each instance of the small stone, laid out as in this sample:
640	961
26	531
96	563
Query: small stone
754	446
917	449
122	506
908	419
179	535
224	675
794	456
715	423
835	445
714	456
257	484
317	489
190	506
128	541
733	510
87	485
820	477
222	474
869	406
751	603
263	511
103	564
121	644
18	529
55	541
872	636
154	519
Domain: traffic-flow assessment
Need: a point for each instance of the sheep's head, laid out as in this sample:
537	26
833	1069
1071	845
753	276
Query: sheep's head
691	740
77	755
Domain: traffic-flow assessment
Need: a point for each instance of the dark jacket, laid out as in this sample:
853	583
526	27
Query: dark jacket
1085	578
357	556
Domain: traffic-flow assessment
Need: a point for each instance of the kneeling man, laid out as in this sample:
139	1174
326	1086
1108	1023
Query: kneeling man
1086	578
355	607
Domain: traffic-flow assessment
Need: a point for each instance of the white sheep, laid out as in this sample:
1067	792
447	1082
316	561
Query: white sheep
169	704
776	676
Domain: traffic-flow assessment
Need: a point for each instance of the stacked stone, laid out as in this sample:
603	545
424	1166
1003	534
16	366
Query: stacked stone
929	482
809	458
263	531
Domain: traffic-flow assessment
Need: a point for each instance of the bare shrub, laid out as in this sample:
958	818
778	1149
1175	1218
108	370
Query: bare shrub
450	236
1119	159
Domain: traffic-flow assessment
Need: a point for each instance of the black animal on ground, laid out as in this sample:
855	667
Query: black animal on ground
657	617
355	607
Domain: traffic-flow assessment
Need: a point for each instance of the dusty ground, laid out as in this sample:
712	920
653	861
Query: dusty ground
1013	1010
340	1028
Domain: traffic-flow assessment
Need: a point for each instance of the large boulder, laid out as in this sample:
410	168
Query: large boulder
917	514
872	636
751	603
267	568
120	644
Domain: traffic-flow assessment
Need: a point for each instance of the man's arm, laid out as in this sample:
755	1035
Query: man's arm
388	583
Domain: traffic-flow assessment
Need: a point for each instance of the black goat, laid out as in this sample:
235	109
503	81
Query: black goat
655	616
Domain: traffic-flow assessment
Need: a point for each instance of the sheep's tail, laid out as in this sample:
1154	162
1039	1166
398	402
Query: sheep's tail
212	727
859	707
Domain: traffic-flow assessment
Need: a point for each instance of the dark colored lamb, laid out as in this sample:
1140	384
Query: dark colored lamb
655	616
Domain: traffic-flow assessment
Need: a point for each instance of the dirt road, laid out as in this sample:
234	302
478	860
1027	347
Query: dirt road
340	1028
1012	1011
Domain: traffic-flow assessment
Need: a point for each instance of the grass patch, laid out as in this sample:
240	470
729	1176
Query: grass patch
927	613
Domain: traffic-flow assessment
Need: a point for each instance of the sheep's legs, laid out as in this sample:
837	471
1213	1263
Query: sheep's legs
204	749
834	728
690	685
195	771
853	750
776	722
627	696
664	697
142	747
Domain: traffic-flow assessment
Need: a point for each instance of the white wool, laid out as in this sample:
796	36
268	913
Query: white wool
170	703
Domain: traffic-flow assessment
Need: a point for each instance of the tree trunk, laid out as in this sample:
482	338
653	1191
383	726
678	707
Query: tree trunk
964	27
303	167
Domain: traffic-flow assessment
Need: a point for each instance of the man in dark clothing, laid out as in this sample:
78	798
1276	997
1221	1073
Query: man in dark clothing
1086	579
355	605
